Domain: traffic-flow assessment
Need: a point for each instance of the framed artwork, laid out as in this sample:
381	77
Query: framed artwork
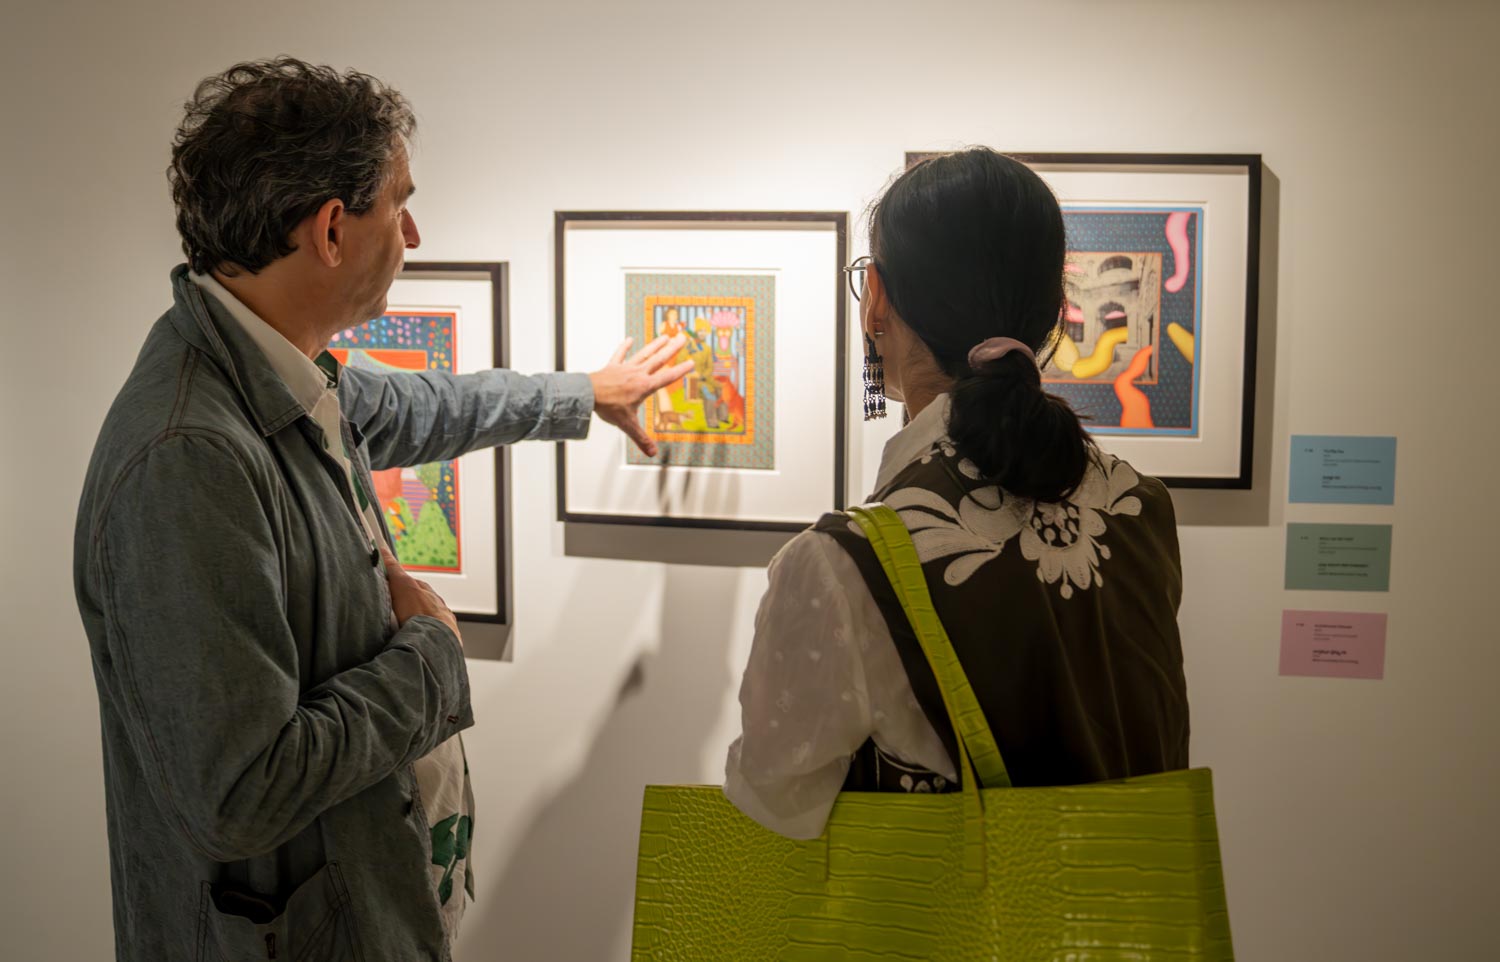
1162	277
753	437
448	519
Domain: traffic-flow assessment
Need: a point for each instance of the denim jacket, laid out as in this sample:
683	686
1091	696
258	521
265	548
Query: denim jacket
260	711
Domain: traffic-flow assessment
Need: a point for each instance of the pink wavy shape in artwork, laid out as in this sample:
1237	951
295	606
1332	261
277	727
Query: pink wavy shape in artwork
1135	407
1182	257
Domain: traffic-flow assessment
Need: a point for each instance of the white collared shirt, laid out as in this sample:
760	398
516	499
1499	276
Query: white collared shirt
308	383
824	675
303	378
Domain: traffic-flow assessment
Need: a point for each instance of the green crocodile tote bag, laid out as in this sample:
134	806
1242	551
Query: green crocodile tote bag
1112	871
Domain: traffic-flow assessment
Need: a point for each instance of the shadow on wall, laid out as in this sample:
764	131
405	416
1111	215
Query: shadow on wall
679	545
1253	508
567	891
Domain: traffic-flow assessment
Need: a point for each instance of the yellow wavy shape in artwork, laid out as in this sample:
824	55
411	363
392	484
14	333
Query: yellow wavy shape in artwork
1104	354
1183	338
1066	354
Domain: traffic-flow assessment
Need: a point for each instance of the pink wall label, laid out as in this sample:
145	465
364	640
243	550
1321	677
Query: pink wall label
1333	644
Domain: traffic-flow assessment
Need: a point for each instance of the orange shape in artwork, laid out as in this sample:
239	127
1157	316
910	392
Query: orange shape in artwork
387	484
1135	407
406	359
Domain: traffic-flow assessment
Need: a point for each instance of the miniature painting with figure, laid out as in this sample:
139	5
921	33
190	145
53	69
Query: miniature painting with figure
722	413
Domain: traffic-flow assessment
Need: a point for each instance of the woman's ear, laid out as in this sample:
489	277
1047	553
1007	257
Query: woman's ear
873	306
875	289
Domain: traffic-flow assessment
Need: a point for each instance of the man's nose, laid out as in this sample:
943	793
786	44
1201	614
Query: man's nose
409	231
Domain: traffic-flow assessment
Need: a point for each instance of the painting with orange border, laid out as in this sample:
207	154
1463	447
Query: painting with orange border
1126	357
722	413
420	504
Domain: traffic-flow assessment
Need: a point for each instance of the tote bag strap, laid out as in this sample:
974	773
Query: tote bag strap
898	556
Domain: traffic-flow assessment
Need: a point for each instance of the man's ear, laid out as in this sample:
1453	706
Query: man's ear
327	230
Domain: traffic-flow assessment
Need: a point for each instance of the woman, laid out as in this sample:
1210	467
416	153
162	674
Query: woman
1054	567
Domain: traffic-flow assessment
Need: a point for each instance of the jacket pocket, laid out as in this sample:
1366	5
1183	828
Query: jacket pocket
314	925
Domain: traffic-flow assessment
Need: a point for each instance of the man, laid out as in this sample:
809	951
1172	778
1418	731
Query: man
280	701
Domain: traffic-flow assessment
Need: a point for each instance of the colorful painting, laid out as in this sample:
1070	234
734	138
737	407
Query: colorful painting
722	414
1133	326
420	503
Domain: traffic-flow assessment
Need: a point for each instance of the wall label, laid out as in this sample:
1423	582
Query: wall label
1338	557
1333	644
1333	469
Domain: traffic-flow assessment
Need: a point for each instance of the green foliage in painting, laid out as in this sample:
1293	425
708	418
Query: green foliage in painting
405	522
430	542
430	475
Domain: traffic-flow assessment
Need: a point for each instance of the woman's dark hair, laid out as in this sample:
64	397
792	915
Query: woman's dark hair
970	246
263	145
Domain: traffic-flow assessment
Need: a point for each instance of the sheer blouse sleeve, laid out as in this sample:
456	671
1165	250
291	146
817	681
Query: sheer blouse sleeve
805	702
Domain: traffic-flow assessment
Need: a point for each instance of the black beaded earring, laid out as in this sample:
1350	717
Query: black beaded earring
874	382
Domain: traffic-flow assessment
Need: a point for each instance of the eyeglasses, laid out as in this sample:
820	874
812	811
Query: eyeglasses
857	269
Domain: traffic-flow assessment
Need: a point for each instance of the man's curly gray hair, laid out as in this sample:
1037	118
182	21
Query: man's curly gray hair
265	144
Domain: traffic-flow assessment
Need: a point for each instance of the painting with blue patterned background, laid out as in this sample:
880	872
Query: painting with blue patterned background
1133	326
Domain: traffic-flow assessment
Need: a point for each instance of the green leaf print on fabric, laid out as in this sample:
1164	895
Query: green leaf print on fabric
450	845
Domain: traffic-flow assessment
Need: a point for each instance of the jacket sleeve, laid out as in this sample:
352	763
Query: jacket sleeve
204	670
414	418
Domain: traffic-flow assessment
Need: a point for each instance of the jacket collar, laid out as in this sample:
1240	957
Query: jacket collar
208	325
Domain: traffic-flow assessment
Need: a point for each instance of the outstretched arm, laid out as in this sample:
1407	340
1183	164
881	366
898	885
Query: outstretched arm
414	418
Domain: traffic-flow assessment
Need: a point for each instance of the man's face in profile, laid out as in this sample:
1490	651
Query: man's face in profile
378	239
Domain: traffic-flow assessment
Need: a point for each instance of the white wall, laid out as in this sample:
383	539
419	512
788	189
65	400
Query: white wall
1357	817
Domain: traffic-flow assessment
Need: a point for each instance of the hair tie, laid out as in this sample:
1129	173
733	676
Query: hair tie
986	352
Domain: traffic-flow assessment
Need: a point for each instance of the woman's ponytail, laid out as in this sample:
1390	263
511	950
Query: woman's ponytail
1025	440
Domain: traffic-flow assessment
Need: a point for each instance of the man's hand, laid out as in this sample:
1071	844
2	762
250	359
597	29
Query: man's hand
412	597
621	385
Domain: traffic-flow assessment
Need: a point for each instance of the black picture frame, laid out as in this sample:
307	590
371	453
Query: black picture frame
1252	165
498	274
840	223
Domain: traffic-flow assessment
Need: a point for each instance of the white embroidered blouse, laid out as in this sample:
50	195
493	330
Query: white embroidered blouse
824	674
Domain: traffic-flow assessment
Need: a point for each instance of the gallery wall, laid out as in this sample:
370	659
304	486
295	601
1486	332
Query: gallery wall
1356	815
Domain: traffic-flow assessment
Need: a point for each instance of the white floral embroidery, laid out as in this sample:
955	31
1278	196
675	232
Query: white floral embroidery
1062	538
945	448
